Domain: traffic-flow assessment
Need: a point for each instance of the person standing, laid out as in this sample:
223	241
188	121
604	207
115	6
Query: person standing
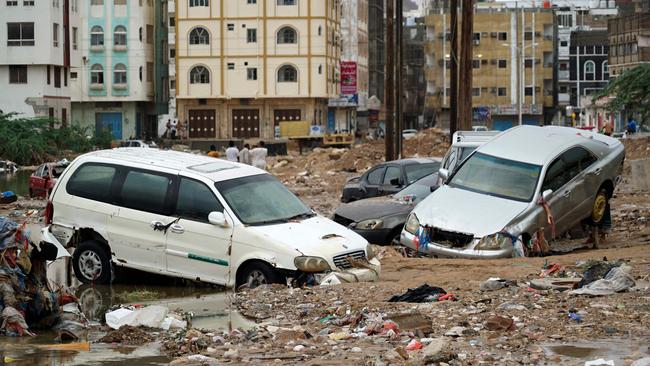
232	152
245	155
213	153
174	124
258	156
168	128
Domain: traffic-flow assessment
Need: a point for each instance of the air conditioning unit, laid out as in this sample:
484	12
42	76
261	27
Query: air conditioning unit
537	89
538	34
493	34
493	62
493	90
484	62
484	34
484	90
477	42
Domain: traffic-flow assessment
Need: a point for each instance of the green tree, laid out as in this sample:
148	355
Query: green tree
630	91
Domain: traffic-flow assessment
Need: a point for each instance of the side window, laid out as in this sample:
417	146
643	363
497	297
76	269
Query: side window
451	161
144	191
465	151
375	176
577	159
195	201
417	171
556	175
92	181
39	172
392	172
46	172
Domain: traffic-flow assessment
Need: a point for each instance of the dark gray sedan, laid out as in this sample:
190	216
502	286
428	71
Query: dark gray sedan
380	219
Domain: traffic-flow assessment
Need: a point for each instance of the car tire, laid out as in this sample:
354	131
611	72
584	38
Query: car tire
92	263
599	206
31	193
257	273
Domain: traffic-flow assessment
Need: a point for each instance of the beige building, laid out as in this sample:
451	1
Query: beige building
244	66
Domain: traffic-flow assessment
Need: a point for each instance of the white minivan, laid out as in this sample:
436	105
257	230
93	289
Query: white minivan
193	217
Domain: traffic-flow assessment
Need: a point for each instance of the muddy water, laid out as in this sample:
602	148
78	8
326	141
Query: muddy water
616	349
17	182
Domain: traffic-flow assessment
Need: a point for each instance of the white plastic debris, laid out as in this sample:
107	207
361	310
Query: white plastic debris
618	279
368	274
116	318
600	362
154	316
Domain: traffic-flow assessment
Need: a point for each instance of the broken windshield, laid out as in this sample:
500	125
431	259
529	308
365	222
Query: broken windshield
497	177
262	200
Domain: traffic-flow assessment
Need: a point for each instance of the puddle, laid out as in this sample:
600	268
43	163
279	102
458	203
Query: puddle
17	182
616	350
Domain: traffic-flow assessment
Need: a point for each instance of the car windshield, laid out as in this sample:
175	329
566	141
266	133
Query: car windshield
497	177
465	151
417	171
262	200
420	189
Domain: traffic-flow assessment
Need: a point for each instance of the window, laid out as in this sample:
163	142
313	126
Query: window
96	2
476	37
55	35
528	63
20	34
65	76
375	176
196	201
92	181
75	37
26	2
199	75
251	2
417	171
96	36
231	65
605	70
287	73
199	3
97	74
577	159
502	64
392	172
320	69
251	73
12	2
555	176
119	74
476	64
144	191
528	36
502	92
320	30
231	26
149	33
172	22
119	2
172	84
48	74
286	2
199	35
502	36
149	72
589	70
57	76
476	92
528	91
119	37
73	75
287	35
564	44
251	35
17	74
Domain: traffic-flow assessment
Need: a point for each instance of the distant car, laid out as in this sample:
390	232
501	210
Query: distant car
509	187
388	178
480	128
463	143
381	219
409	134
44	178
139	143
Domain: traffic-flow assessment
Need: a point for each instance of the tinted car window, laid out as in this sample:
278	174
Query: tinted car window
144	191
577	159
556	176
420	189
92	181
417	171
39	172
195	201
392	172
465	151
375	176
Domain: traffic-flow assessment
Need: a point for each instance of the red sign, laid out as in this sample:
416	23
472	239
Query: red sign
348	77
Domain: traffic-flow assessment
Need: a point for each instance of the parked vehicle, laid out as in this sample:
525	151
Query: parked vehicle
500	192
380	219
44	178
479	128
388	178
7	166
190	216
139	143
409	134
463	143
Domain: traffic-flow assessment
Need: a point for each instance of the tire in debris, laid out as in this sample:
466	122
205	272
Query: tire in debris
92	263
257	273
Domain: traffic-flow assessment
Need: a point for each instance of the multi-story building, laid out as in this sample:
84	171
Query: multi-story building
243	67
40	43
629	42
121	84
588	65
354	41
514	62
171	42
376	49
413	80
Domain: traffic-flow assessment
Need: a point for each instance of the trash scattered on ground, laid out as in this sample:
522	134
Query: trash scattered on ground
424	293
127	335
153	316
617	279
365	272
600	362
493	284
500	323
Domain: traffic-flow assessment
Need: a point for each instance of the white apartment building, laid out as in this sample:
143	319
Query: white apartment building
354	39
244	66
39	43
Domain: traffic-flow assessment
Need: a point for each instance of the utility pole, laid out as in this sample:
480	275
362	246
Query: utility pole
453	69
465	80
390	81
400	83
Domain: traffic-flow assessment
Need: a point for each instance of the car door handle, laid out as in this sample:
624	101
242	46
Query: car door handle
177	229
566	194
156	224
597	171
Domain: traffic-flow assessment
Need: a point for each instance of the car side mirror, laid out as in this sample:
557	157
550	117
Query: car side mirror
547	194
395	182
433	188
443	174
218	219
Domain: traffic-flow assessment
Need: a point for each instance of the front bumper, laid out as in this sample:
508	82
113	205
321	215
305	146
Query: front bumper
380	236
437	250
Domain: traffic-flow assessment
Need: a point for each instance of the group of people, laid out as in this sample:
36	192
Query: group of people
175	129
255	157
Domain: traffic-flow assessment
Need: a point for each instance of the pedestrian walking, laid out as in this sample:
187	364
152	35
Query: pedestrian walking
245	155
258	156
213	153
232	152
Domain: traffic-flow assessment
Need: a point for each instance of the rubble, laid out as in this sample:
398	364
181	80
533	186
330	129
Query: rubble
127	335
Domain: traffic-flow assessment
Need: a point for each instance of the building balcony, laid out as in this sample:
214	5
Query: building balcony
120	86
563	75
120	48
96	86
564	98
97	48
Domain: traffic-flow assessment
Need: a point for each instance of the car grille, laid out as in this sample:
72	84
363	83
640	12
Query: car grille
450	238
342	220
342	262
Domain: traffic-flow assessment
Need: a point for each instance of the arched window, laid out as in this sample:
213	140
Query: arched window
199	35
199	75
119	36
97	74
96	36
287	35
287	74
605	70
119	74
590	70
194	3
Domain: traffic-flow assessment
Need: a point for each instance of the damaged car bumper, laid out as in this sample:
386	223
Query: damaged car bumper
439	250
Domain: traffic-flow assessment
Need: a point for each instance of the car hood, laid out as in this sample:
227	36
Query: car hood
316	236
373	208
463	211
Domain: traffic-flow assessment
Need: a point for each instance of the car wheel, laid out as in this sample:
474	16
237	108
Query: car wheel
600	206
256	274
92	263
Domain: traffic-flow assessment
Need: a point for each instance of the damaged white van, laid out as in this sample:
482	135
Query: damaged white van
193	217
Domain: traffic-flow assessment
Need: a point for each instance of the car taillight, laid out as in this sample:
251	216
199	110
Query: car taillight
49	212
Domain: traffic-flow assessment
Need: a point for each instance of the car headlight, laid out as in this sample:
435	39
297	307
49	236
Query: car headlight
371	251
311	264
412	224
372	224
494	242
